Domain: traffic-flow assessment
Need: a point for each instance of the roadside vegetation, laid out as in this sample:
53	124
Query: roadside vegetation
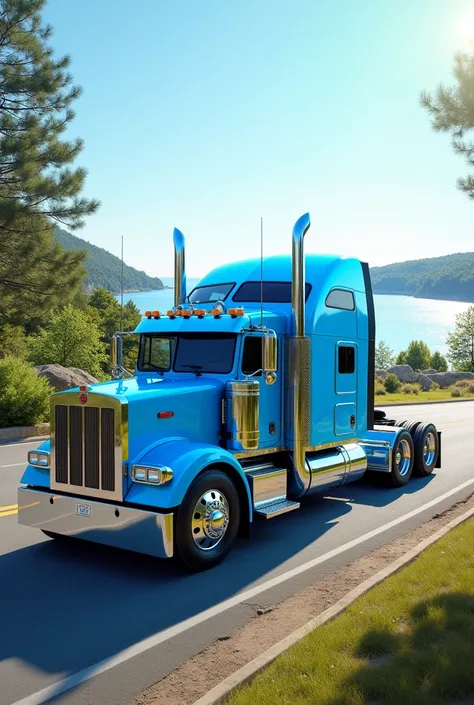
409	640
390	390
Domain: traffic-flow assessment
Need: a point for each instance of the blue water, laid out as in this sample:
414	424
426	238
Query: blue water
400	319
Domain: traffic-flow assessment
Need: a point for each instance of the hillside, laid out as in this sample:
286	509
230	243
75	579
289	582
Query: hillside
104	269
450	278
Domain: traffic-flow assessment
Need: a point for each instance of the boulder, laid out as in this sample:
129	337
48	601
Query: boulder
430	372
403	372
424	382
381	373
64	377
446	379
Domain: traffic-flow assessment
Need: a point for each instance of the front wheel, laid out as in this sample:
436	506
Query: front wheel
208	520
402	459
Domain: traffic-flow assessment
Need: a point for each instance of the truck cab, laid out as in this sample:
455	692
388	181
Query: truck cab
253	391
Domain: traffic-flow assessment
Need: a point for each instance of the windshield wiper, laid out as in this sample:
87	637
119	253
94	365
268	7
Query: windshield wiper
156	368
195	369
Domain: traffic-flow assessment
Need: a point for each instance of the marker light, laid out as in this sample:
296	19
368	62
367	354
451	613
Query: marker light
216	312
178	312
83	388
155	314
234	312
186	313
200	312
171	313
38	458
165	414
148	314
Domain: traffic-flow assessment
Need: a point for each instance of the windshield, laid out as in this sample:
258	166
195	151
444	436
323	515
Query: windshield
208	294
188	353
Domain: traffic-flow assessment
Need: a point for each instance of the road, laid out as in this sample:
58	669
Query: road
123	621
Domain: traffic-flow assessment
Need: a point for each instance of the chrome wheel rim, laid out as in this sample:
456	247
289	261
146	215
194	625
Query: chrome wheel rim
403	457
210	520
429	449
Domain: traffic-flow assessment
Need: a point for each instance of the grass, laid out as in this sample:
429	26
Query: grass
409	641
399	397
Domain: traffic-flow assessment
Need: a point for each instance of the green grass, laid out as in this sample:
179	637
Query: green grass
437	395
409	641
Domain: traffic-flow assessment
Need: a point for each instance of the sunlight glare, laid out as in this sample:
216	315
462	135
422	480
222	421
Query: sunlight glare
466	25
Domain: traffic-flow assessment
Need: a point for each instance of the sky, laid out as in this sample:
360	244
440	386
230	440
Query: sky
209	115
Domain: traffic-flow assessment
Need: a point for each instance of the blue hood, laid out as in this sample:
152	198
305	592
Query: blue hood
194	401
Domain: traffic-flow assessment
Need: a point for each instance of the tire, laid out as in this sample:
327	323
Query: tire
201	544
411	427
402	459
426	445
400	423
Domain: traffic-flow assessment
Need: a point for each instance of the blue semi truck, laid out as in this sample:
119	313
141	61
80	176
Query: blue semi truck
255	390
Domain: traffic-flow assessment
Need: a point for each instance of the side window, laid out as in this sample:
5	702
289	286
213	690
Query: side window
346	360
156	352
252	355
341	299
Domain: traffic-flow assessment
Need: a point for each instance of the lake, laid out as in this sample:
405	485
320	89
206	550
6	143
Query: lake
400	319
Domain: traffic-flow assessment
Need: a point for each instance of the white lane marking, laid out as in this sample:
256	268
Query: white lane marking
15	465
140	647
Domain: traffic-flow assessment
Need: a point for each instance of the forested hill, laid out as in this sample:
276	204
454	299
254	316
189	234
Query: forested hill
450	278
104	269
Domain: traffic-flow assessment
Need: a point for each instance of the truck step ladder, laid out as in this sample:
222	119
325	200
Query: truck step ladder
268	486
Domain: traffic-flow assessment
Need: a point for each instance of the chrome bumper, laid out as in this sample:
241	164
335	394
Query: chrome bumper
113	525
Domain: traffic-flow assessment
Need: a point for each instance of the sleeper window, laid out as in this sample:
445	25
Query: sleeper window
341	299
346	362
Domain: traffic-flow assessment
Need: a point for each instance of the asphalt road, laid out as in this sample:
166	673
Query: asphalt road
123	621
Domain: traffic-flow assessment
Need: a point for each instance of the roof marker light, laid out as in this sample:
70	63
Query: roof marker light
155	314
148	314
171	313
234	312
199	312
186	313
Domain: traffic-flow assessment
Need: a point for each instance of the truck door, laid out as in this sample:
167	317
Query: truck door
345	419
270	394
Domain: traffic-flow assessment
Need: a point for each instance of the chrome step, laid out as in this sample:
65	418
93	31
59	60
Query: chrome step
274	509
267	484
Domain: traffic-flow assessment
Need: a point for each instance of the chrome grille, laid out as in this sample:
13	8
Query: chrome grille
89	445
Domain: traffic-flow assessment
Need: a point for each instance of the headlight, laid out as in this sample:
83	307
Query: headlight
38	458
155	475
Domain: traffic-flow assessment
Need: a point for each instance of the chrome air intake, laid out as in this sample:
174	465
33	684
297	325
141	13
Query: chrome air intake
242	414
179	267
299	364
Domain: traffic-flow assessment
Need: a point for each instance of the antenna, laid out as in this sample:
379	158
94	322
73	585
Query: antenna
261	273
121	292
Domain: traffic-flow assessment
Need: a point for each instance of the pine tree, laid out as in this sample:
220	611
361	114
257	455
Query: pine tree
452	110
38	185
383	356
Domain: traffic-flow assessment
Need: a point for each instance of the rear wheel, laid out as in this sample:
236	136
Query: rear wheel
402	459
426	445
208	520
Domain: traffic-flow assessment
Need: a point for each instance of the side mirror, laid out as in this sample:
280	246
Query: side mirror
116	356
270	357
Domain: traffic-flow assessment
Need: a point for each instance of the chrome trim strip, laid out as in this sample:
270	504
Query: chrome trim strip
282	449
133	529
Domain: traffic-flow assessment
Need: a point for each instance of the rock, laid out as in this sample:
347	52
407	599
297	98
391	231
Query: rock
430	372
446	379
424	382
64	377
381	373
403	372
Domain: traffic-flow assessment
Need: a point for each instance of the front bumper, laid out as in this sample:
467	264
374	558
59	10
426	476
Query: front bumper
113	525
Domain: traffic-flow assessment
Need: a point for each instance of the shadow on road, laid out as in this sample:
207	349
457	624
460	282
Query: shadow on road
69	604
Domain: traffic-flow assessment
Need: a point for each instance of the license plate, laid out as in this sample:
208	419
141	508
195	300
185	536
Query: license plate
83	510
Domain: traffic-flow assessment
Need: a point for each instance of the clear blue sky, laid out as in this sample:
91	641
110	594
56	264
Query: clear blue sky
209	114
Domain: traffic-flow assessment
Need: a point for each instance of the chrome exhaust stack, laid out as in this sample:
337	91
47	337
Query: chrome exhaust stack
299	365
179	268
